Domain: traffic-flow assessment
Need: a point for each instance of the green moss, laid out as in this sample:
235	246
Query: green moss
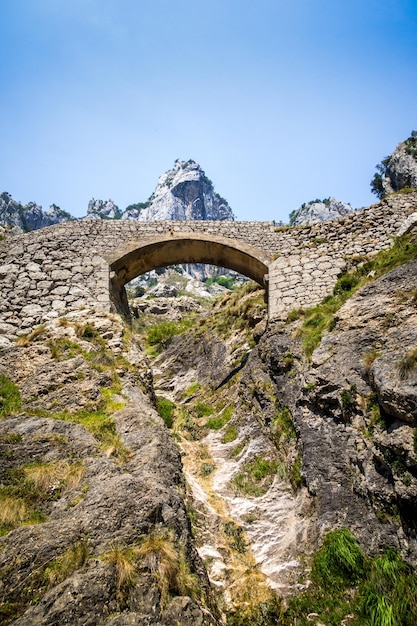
282	426
230	434
257	476
216	423
10	402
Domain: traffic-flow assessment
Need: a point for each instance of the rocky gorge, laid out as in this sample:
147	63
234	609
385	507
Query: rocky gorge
189	471
199	463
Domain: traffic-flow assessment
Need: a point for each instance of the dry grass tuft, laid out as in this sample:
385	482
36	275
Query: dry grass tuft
13	511
26	340
49	477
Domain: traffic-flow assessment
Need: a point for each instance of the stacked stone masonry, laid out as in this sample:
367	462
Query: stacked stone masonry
49	272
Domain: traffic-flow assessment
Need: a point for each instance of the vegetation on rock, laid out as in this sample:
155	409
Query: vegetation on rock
318	319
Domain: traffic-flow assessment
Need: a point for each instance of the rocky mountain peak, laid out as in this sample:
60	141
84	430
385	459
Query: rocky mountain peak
319	211
397	171
182	193
103	209
30	216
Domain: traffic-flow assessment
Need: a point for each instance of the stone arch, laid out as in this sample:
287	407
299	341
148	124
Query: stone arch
134	258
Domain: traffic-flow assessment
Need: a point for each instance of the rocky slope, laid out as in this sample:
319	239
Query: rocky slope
28	216
103	523
319	211
279	449
93	519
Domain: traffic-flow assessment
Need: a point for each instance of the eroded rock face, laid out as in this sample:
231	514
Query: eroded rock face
356	416
126	484
183	193
353	408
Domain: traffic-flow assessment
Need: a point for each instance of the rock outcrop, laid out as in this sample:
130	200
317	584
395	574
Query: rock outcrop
103	209
397	171
401	169
92	489
182	193
319	211
27	217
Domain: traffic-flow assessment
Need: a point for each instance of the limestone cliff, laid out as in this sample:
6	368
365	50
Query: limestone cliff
319	211
26	217
182	193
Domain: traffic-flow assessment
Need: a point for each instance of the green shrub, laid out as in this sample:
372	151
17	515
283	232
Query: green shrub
268	613
224	281
98	422
348	401
160	335
236	538
296	477
389	595
166	409
202	410
282	425
340	561
188	425
206	469
239	448
374	592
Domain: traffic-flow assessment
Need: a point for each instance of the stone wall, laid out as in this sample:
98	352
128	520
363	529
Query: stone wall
46	273
312	257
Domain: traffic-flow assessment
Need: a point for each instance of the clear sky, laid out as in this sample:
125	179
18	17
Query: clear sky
279	101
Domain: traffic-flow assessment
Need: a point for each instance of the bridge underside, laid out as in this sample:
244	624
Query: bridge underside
135	258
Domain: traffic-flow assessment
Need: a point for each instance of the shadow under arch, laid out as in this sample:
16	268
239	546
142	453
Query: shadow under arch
133	258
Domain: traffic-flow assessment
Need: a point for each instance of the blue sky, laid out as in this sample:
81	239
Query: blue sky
280	102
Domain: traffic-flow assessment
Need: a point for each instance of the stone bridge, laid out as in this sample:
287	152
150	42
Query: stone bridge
86	263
